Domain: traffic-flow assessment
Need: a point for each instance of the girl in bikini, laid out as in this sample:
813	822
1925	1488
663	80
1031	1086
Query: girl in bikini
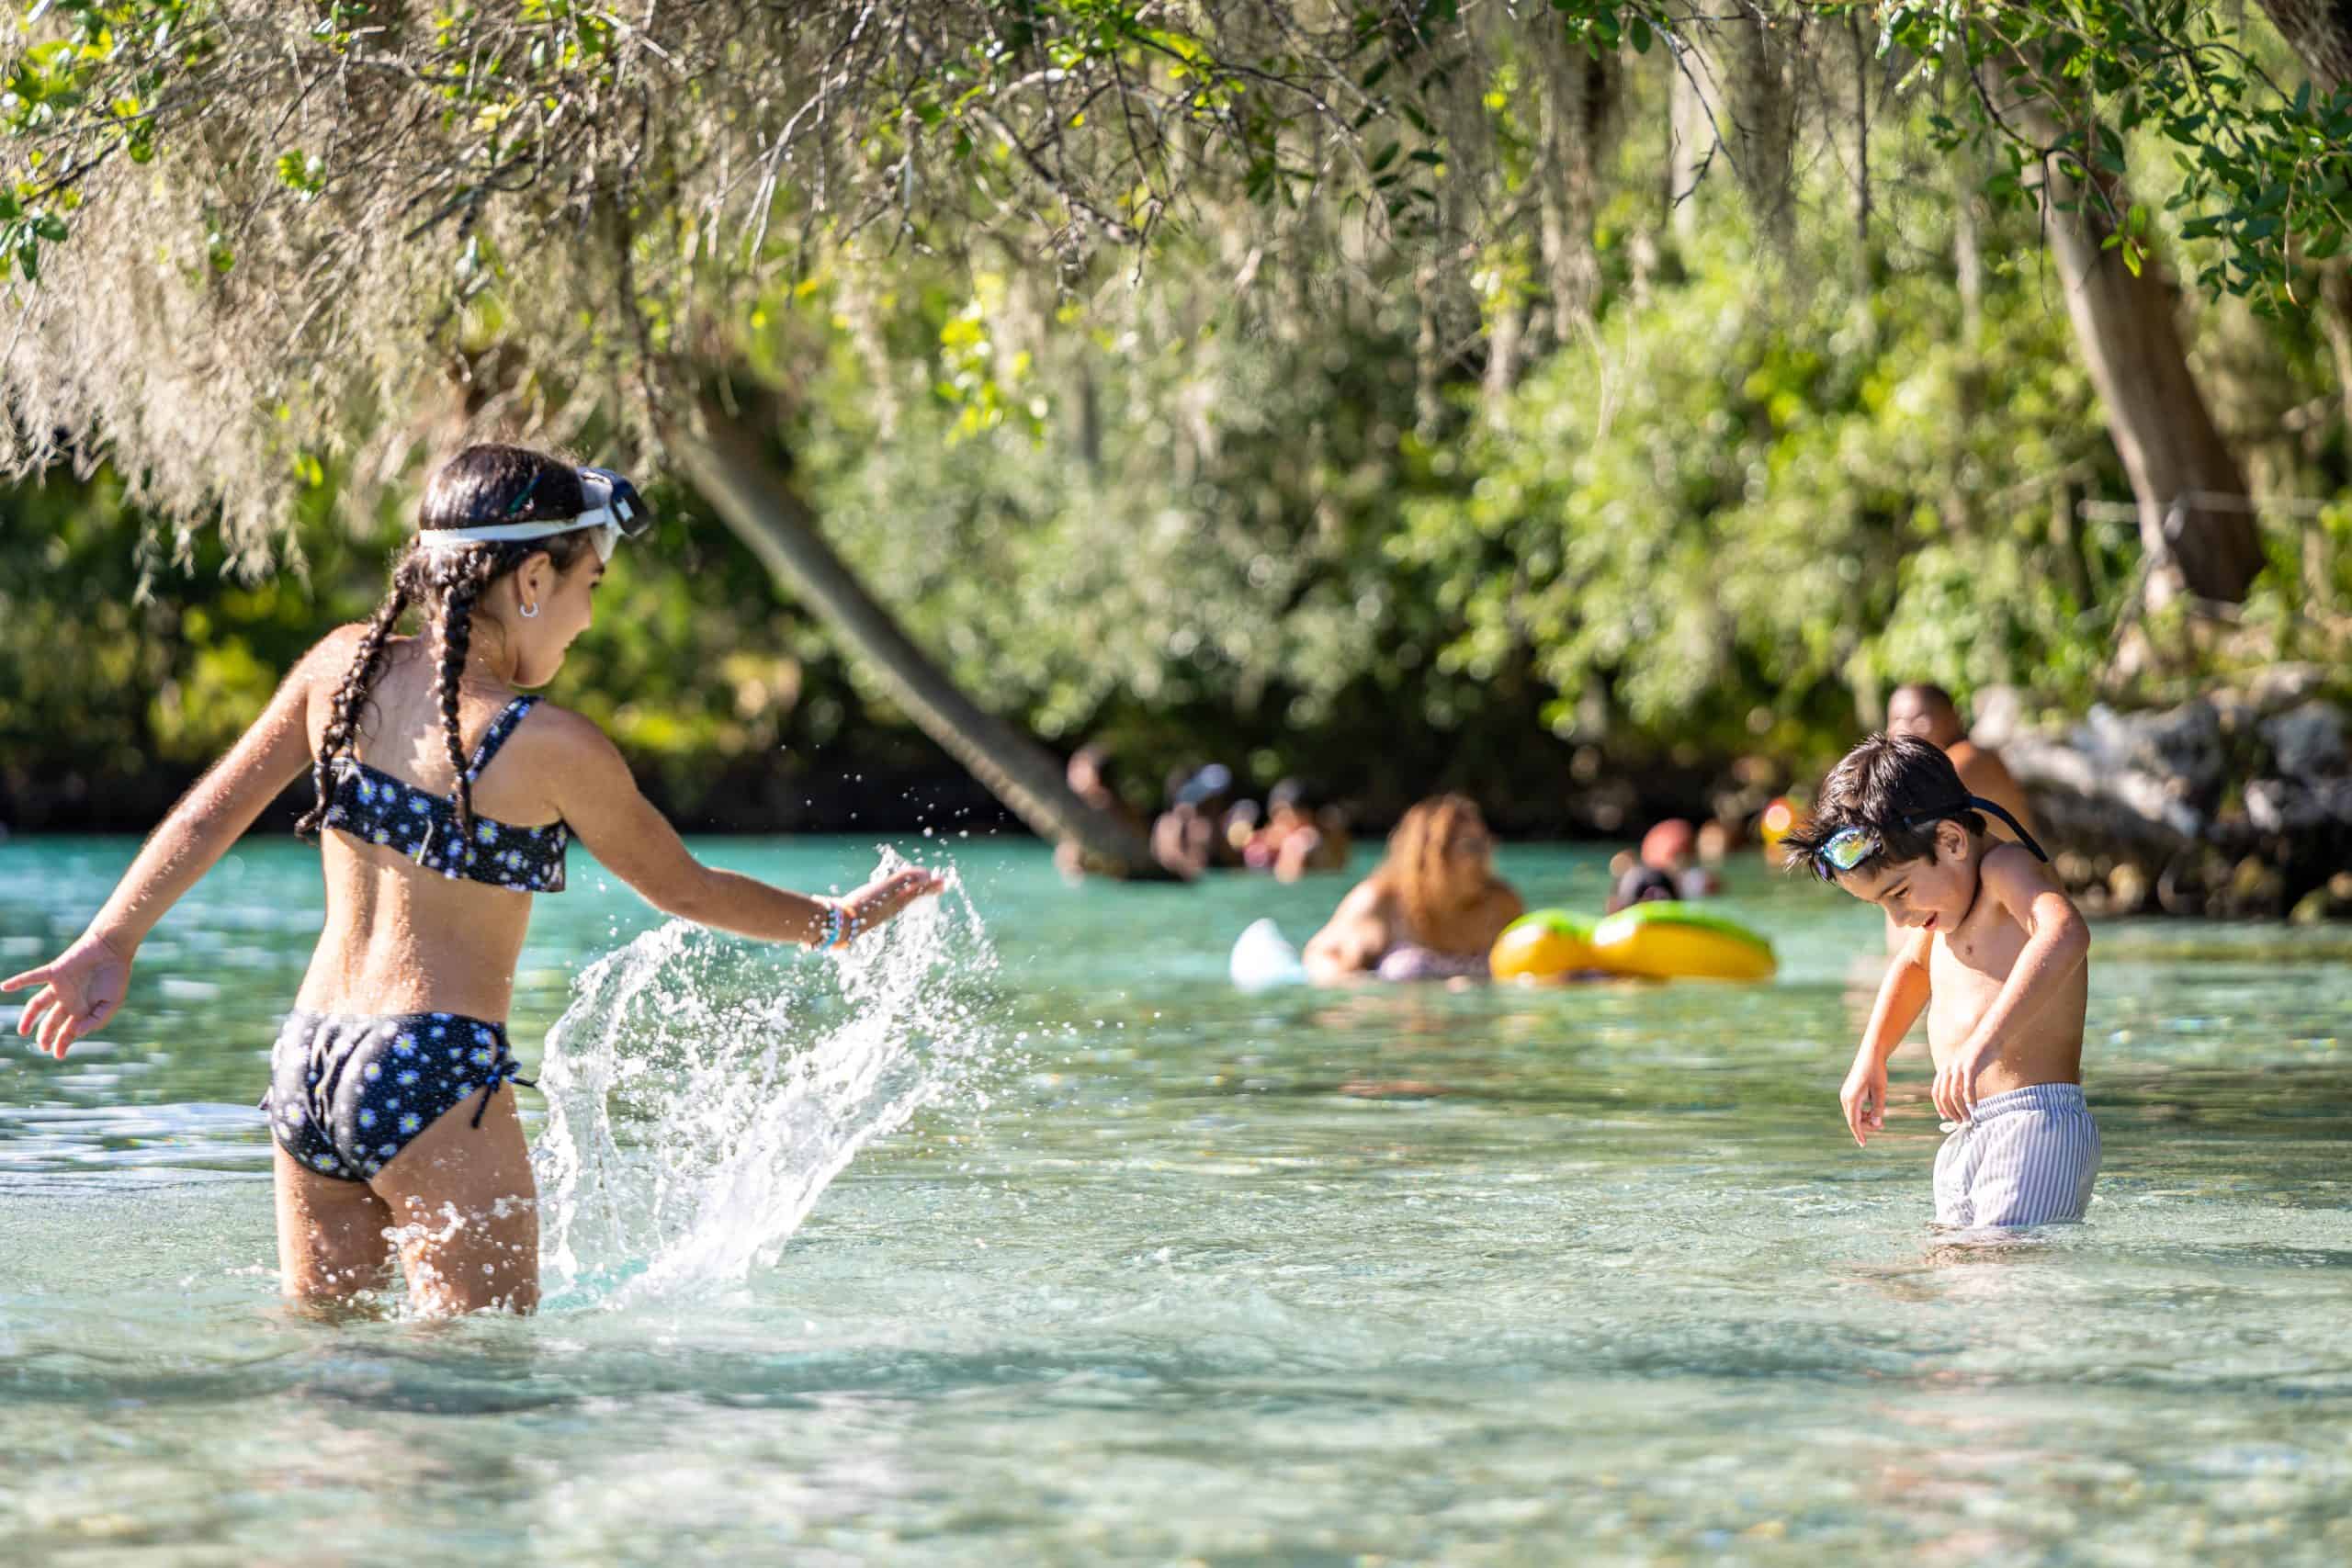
389	1129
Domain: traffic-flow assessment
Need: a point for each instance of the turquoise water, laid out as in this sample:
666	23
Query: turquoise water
1054	1248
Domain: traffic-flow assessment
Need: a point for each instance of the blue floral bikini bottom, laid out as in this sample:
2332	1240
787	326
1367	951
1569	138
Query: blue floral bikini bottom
347	1092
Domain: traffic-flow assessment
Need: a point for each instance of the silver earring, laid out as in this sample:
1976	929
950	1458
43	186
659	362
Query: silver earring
530	611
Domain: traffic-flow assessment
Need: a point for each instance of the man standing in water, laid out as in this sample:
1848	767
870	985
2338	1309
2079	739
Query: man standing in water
1926	711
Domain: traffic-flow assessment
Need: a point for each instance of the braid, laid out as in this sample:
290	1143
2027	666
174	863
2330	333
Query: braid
481	484
350	701
456	634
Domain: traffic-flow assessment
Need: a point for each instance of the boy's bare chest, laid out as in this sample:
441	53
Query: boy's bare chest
1966	966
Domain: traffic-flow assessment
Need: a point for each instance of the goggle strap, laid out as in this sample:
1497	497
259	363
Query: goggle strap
1831	856
616	510
2015	827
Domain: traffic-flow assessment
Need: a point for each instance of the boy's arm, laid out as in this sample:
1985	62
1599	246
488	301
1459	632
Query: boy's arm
1899	997
2057	941
83	985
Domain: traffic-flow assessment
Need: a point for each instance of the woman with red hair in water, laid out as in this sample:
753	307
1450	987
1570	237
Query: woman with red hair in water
1431	910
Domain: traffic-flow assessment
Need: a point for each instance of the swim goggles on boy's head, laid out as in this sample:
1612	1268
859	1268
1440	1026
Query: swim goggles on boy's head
1850	847
614	510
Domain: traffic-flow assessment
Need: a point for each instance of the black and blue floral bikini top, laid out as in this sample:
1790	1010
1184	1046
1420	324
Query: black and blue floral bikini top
370	805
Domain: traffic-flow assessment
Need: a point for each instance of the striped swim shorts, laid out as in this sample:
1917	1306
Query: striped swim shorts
2026	1157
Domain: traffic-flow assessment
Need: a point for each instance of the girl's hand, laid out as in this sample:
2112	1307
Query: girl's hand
887	896
79	990
1864	1097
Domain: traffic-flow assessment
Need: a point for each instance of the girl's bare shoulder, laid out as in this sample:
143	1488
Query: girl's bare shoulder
331	656
557	736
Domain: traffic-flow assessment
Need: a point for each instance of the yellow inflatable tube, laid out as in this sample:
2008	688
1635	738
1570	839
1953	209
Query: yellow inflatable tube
1543	944
1668	941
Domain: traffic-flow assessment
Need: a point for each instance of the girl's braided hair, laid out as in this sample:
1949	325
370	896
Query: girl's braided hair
480	485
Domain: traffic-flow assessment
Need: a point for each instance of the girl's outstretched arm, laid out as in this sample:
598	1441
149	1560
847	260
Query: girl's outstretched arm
598	796
82	987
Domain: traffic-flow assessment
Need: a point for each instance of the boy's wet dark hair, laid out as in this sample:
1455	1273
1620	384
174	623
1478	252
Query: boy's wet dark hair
1897	786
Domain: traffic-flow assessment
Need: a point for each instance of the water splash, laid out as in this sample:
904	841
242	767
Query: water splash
703	1093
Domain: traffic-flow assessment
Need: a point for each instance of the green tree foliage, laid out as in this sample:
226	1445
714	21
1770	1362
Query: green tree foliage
1354	390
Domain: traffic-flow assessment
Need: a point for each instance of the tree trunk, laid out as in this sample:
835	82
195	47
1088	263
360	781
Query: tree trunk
2156	413
1578	122
1750	51
2321	33
1690	136
728	466
2335	321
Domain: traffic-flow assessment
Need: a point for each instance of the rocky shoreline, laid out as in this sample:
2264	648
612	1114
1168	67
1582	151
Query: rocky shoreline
2234	803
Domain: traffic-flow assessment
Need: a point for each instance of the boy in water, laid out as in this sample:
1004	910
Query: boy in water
1994	950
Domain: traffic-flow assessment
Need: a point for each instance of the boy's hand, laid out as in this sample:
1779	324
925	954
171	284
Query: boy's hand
1864	1097
887	896
1955	1090
79	990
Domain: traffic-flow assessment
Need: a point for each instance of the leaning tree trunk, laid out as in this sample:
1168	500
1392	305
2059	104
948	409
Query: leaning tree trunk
728	464
2156	415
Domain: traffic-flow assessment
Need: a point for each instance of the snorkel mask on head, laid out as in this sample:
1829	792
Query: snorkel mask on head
1850	847
614	510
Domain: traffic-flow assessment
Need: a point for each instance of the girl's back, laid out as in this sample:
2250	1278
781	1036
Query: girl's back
398	935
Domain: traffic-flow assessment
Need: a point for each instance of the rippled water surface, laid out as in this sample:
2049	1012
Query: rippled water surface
1103	1261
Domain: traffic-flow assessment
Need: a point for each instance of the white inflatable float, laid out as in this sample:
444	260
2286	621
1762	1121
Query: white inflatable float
1263	959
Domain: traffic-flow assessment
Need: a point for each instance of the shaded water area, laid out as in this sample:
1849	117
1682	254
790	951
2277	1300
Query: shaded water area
1047	1245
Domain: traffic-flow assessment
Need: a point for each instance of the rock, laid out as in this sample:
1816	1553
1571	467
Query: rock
2289	805
2237	711
2063	782
2333	902
2000	713
2181	747
2138	798
2307	740
2255	887
2166	769
2186	883
2280	686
